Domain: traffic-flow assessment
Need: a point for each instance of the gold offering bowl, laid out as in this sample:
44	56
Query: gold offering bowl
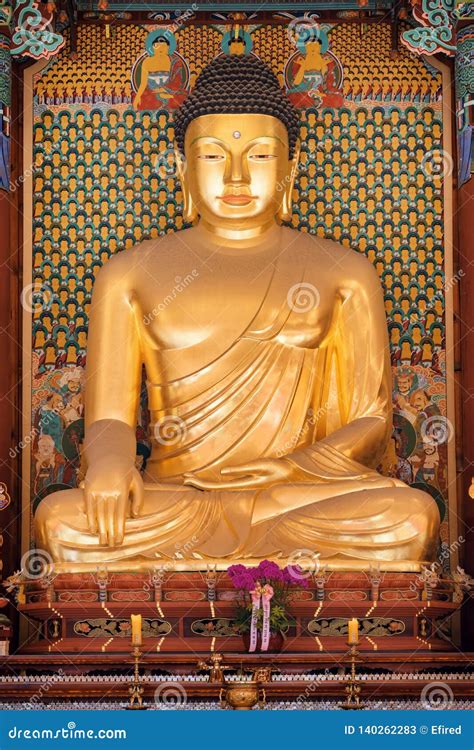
242	695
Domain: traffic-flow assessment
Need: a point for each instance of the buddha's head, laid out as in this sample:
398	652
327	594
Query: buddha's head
237	148
237	46
161	46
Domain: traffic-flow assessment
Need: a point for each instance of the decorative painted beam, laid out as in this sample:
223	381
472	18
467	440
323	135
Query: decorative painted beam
32	34
435	33
464	10
121	6
464	77
5	104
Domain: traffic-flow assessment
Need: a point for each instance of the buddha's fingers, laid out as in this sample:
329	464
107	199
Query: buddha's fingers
231	484
101	518
112	503
120	511
244	469
90	510
138	493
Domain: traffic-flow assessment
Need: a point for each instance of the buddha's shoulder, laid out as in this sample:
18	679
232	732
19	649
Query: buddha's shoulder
349	264
126	263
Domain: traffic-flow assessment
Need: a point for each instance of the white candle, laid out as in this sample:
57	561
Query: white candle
136	621
353	635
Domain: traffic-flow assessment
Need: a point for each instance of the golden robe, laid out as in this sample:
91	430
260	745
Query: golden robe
305	361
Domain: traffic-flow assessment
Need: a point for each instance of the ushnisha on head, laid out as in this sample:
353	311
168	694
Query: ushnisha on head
237	84
237	144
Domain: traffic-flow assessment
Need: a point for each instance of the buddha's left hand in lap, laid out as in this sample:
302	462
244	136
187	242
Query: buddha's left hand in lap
263	472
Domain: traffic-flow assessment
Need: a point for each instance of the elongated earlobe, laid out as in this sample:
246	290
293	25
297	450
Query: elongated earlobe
285	211
190	213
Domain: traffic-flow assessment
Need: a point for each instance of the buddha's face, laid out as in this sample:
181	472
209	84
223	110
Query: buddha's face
237	167
237	47
313	47
161	47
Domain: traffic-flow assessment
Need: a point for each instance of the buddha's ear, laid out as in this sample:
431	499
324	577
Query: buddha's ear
285	210
189	209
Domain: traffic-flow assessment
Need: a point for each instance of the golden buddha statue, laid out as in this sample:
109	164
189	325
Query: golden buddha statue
267	366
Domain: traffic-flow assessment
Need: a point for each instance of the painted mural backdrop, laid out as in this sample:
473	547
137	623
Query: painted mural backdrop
370	177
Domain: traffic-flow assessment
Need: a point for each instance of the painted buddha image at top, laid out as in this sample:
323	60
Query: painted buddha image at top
160	76
267	370
313	75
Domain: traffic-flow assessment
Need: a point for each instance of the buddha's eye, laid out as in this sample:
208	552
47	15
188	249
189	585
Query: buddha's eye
212	157
261	157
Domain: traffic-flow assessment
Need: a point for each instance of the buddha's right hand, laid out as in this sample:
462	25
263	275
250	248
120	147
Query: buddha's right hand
113	489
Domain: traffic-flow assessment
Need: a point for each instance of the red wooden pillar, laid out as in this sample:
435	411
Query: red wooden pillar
10	331
464	218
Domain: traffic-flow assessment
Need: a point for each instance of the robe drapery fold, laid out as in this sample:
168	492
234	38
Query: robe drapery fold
276	388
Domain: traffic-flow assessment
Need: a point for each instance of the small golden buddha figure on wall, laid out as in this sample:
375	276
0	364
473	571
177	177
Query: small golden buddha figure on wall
267	371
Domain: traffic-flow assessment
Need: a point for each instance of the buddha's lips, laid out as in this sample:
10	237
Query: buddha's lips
237	200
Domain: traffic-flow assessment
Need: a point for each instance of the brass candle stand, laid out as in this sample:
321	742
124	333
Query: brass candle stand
136	689
353	687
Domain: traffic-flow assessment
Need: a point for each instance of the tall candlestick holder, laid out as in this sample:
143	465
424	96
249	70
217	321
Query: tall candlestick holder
353	686
136	689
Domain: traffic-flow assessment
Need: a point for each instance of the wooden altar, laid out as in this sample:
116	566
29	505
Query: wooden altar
78	647
186	613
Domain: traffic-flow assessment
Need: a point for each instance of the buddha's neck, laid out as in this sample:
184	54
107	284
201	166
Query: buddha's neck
231	236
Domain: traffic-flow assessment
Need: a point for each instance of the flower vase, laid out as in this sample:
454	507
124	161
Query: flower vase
275	644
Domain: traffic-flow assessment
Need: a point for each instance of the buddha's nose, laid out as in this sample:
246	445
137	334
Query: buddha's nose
236	172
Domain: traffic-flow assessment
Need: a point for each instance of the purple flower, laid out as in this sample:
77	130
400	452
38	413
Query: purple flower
270	570
294	575
241	577
245	578
236	570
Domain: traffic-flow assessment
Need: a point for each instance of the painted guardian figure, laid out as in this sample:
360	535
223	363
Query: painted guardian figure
268	374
